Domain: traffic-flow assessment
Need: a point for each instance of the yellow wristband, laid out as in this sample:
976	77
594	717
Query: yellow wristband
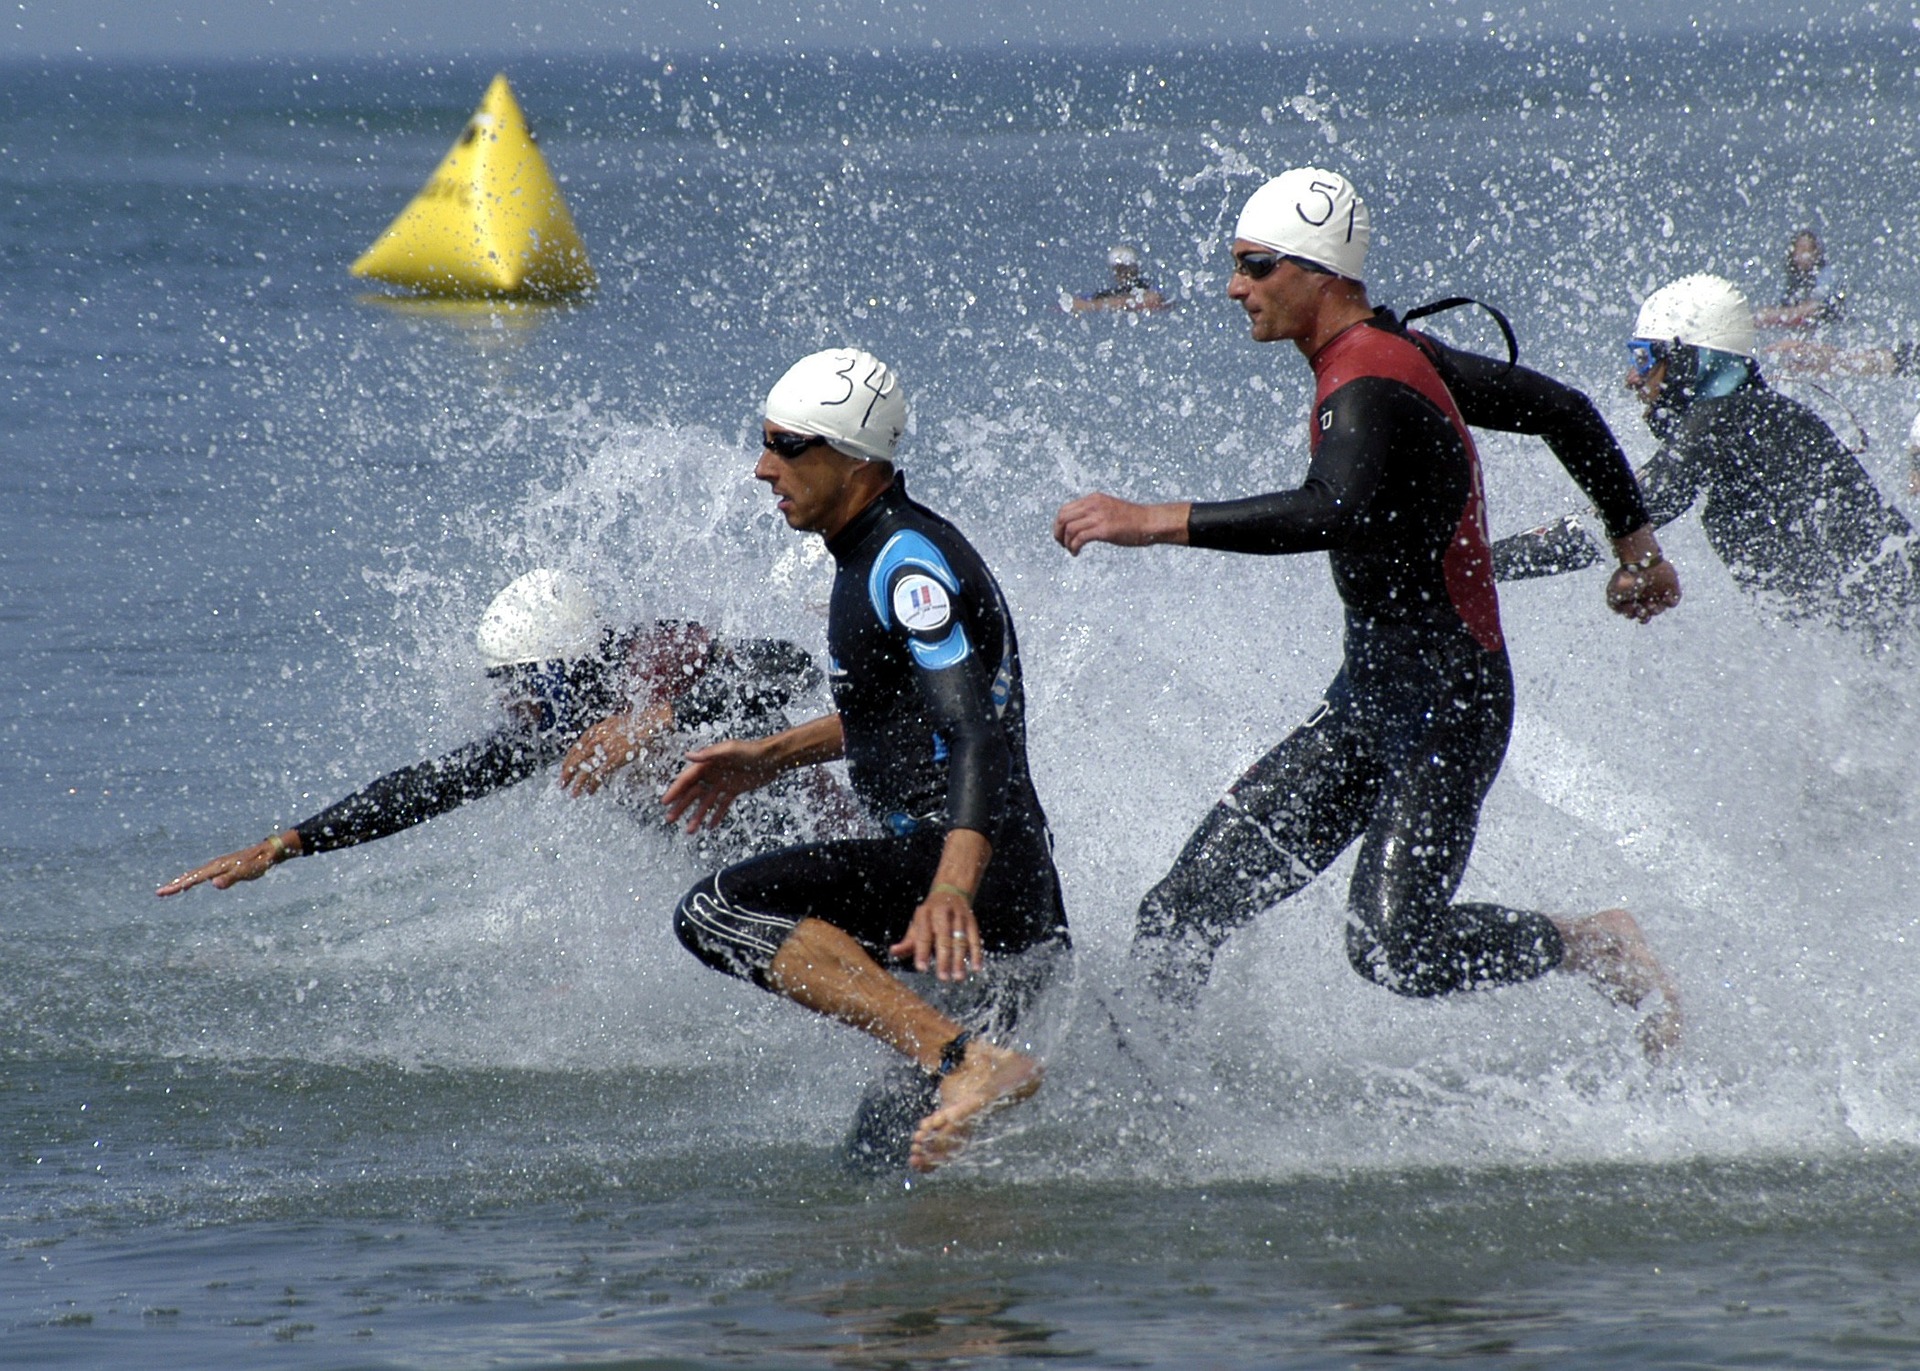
953	889
279	845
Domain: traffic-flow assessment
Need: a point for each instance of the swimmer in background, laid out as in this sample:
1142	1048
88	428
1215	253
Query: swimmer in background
1784	504
1130	290
1813	294
570	690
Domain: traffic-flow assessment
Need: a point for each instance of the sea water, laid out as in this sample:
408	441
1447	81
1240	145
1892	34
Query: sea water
458	1098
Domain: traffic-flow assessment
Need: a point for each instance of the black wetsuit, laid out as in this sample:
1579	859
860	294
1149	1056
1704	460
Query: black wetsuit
1790	511
1413	728
746	684
926	676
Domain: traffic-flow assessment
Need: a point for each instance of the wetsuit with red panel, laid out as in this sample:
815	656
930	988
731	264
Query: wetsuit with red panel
1401	751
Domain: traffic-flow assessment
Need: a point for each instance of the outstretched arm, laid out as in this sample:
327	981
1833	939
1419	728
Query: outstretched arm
248	864
1100	518
717	775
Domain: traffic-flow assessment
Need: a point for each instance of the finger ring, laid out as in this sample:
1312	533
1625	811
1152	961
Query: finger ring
958	934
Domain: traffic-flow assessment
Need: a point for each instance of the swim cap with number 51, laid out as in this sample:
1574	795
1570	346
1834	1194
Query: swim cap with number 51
1313	214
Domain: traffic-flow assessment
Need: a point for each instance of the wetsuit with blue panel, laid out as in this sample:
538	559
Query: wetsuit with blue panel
1399	754
925	674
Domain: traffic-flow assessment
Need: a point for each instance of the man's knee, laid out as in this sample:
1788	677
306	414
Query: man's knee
731	938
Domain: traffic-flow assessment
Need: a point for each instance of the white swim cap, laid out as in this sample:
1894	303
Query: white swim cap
849	397
1700	311
1313	214
543	616
1120	255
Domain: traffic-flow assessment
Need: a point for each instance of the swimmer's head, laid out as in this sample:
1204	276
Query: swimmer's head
1124	260
850	398
1701	328
1700	311
543	616
1311	214
533	636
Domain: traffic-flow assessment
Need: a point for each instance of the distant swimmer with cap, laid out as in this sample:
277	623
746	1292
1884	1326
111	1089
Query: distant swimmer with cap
931	719
1130	291
569	690
1813	294
1792	513
1399	754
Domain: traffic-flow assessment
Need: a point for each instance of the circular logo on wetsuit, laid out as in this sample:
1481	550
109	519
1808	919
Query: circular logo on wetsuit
921	603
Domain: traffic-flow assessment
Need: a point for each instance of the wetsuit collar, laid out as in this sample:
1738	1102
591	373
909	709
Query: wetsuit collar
1332	345
842	544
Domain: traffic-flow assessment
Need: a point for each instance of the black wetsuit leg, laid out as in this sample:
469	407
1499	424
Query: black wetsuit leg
1441	748
1401	752
736	920
1282	823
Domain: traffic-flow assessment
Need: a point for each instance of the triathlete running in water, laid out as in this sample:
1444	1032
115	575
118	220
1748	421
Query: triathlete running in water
931	719
568	688
1792	513
1400	753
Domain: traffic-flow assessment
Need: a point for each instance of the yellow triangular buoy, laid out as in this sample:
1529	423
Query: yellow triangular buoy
490	221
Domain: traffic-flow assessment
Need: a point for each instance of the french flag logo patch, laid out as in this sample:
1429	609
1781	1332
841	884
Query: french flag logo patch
921	603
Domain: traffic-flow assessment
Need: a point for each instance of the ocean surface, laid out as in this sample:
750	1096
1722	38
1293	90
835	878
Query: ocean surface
458	1099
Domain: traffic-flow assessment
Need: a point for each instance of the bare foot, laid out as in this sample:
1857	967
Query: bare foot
1611	949
988	1079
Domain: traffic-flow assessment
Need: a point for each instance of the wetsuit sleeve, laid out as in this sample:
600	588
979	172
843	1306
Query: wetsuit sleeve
1670	481
1492	396
923	601
1362	425
746	684
412	795
1561	546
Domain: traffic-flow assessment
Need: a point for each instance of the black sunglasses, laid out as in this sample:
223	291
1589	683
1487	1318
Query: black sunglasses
788	445
1258	266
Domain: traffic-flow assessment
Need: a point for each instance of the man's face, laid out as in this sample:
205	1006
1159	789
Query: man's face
1648	384
1281	304
811	485
1805	252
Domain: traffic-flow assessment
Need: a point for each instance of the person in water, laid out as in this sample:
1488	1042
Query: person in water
569	690
1792	513
930	715
1399	754
1131	290
1812	294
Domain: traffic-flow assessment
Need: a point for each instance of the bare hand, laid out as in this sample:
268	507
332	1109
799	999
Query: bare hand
1640	595
1099	518
599	754
944	935
713	779
248	864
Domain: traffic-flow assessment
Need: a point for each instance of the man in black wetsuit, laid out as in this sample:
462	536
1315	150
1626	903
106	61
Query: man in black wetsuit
569	688
1791	512
931	720
1412	731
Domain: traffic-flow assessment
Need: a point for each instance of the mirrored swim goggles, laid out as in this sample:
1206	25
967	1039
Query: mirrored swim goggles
788	446
1647	355
1258	266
